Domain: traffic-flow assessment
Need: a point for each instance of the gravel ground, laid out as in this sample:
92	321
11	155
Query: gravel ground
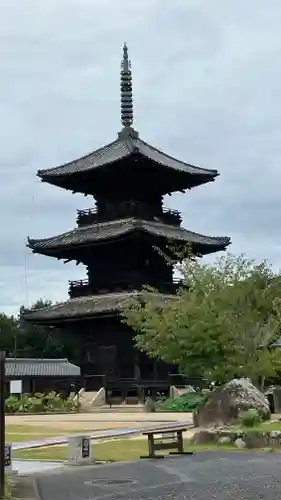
108	420
203	476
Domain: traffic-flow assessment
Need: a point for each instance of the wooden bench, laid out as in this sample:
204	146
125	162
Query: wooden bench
165	439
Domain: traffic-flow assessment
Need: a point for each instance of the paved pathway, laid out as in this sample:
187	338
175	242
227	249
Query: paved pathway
208	475
32	466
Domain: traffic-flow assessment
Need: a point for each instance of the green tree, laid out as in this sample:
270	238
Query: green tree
220	323
9	329
43	341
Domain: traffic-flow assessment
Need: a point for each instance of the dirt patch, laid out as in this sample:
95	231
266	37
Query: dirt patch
92	421
64	427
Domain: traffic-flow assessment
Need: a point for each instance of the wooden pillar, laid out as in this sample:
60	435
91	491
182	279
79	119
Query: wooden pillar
2	423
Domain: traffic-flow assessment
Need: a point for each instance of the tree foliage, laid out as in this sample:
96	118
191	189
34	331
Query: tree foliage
9	330
39	341
26	340
220	323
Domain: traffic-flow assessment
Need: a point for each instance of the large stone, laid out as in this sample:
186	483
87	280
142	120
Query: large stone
223	405
203	437
149	405
256	439
240	444
224	440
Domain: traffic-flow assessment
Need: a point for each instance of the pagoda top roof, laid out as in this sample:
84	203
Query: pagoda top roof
96	233
89	306
94	172
127	144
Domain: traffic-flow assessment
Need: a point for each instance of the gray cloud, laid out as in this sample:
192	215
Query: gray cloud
206	86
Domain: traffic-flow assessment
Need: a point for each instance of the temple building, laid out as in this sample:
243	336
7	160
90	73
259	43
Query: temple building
118	240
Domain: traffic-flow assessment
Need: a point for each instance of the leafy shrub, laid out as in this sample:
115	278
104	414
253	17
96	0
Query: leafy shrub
186	402
39	403
12	404
250	418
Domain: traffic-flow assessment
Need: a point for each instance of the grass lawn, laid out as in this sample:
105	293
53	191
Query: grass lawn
20	433
115	450
264	426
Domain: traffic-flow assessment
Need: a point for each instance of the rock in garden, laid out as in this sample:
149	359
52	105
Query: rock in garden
149	405
223	405
256	439
204	437
239	443
275	434
224	440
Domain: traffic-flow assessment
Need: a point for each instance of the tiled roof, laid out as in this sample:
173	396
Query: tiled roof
88	306
94	233
28	367
119	149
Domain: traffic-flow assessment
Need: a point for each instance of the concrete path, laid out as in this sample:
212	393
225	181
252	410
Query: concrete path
24	467
208	475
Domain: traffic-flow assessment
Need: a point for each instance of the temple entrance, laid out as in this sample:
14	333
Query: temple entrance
108	361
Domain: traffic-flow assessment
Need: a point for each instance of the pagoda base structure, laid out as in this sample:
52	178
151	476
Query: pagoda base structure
122	241
108	356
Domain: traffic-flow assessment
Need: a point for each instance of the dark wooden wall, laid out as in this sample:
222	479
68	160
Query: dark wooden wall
128	262
109	349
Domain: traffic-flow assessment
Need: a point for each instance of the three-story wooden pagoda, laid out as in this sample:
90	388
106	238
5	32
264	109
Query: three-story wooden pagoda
117	241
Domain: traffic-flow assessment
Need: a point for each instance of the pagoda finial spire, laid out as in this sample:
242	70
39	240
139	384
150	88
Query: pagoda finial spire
126	90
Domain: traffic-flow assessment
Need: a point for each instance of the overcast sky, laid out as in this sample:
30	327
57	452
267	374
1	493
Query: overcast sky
207	85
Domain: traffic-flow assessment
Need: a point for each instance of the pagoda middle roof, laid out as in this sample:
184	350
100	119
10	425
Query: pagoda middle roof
128	145
119	149
95	233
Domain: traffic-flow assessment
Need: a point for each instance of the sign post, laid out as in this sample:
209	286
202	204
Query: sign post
2	423
79	450
8	457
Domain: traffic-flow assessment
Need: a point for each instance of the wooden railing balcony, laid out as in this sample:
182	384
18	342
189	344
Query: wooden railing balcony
79	288
82	288
170	216
130	383
128	209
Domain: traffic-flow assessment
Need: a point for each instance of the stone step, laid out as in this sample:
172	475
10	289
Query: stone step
122	408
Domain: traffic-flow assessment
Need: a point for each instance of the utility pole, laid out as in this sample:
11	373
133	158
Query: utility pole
2	423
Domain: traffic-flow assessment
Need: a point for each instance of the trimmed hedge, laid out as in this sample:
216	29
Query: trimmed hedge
187	402
40	403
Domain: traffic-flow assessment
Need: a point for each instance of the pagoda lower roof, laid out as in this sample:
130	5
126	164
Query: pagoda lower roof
87	307
96	233
127	145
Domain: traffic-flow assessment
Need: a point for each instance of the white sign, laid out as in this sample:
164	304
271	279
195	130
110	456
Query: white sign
16	387
79	450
